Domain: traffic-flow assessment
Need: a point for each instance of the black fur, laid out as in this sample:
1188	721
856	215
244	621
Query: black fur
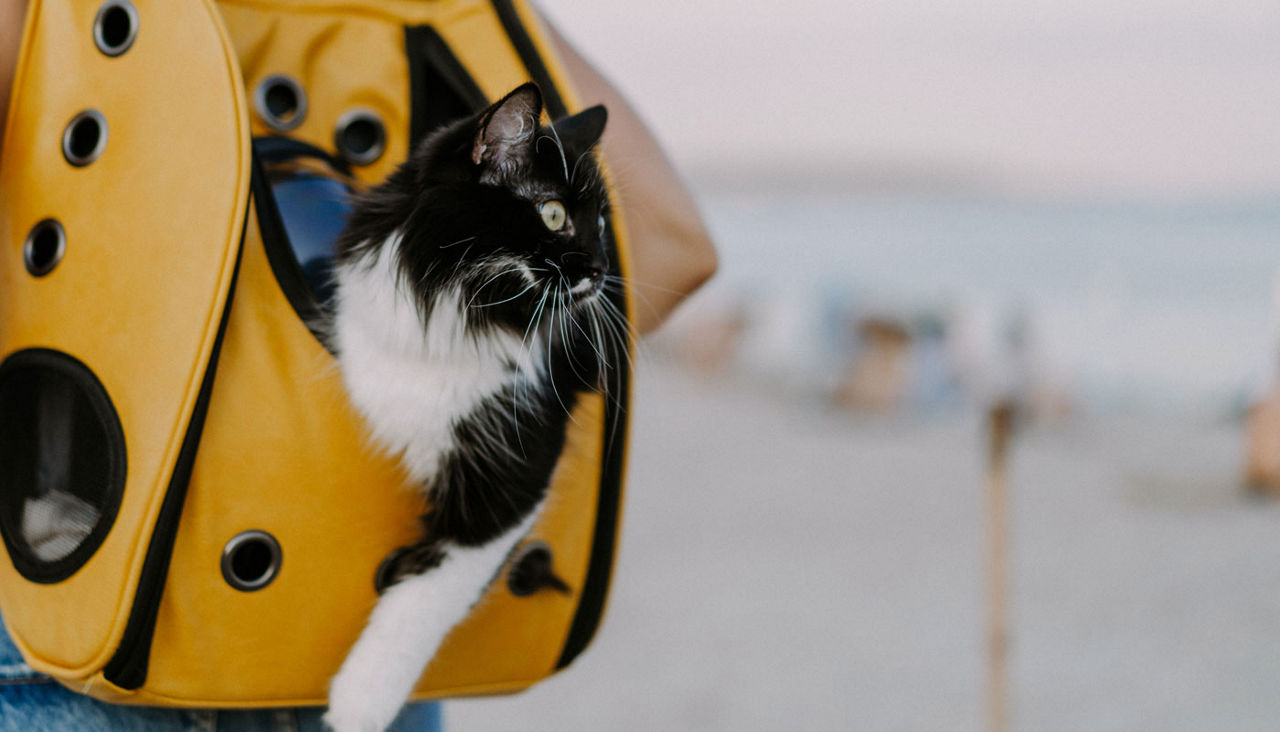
453	211
466	205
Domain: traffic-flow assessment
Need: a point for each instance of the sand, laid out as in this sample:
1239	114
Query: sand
785	567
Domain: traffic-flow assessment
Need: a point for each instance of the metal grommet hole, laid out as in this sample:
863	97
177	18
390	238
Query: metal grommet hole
85	138
115	27
44	247
360	137
280	102
531	571
251	560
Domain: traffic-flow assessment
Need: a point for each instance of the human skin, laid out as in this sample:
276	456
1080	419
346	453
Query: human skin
11	12
671	251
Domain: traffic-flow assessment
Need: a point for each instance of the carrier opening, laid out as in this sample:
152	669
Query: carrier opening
301	194
62	463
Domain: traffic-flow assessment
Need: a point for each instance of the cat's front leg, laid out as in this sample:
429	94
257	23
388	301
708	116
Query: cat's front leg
406	629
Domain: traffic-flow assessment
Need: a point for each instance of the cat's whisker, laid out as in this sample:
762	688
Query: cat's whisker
560	146
566	335
621	329
509	299
597	345
591	181
491	280
612	391
576	163
555	296
528	359
456	243
560	294
462	259
526	347
590	342
426	274
619	318
605	366
619	285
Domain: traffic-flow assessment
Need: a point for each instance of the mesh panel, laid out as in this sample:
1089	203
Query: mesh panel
314	202
62	463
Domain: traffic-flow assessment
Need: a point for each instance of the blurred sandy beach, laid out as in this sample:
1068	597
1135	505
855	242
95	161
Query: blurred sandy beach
921	209
784	567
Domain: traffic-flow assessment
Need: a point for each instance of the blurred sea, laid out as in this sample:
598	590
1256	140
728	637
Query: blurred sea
1167	306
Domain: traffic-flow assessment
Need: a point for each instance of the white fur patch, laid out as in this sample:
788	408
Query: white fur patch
412	380
406	628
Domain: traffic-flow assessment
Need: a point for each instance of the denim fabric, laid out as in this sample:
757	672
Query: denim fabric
32	702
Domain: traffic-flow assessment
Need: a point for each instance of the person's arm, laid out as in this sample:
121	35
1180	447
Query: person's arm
11	16
671	251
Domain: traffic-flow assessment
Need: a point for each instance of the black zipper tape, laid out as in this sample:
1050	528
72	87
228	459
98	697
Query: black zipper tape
440	89
609	497
528	53
127	669
275	238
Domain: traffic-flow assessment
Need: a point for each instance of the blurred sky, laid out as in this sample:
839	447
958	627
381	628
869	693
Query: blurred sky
1136	99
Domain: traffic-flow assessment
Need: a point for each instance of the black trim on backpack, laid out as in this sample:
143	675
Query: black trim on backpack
275	238
106	419
277	149
528	53
440	89
127	669
596	587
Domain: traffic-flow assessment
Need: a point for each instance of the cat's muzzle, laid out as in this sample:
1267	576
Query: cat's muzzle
587	286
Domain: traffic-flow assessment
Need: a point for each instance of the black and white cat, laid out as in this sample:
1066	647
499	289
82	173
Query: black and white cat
468	316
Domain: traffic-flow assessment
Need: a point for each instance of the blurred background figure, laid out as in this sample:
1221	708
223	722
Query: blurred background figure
876	380
1262	458
922	209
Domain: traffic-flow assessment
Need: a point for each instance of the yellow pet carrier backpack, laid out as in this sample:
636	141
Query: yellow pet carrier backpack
191	513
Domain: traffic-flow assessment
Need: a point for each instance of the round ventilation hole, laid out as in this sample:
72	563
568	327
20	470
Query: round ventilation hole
360	137
44	247
85	138
280	102
251	560
115	27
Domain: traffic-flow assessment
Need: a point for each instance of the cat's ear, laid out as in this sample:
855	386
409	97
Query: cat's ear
508	126
583	130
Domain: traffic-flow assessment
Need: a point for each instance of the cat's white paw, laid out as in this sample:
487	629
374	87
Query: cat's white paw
356	720
370	688
354	707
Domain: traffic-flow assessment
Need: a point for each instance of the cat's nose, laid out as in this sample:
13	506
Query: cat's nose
583	265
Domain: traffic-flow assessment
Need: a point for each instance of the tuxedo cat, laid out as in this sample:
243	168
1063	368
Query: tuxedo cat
468	317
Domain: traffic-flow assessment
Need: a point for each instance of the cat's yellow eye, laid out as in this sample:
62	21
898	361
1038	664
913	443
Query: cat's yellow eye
553	214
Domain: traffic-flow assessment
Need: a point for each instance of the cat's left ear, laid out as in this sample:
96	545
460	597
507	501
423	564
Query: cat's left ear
508	126
583	130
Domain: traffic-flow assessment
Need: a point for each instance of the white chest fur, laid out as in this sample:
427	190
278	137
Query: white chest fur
413	381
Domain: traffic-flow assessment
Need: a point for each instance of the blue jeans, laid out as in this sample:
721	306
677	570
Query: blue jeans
32	702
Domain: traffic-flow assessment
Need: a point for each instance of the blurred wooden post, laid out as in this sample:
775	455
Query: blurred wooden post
1000	424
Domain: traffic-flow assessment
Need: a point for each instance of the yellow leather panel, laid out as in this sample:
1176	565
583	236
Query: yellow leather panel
282	450
151	231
